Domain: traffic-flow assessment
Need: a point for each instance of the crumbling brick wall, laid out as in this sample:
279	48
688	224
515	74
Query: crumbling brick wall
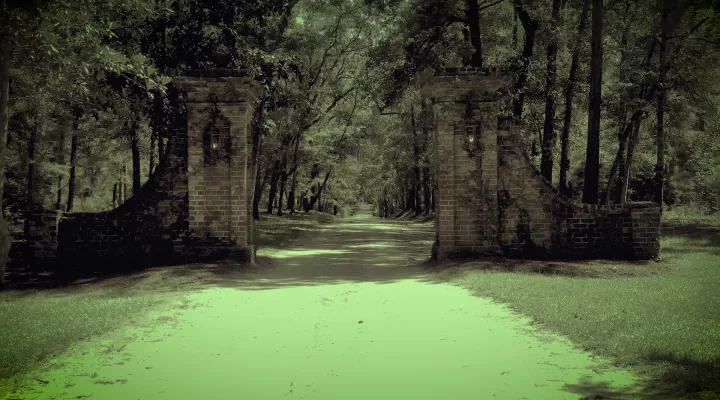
497	203
186	210
536	220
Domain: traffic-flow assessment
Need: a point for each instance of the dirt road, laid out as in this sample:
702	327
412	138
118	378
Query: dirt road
345	312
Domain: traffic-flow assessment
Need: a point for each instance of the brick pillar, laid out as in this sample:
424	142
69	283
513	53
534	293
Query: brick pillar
466	215
218	194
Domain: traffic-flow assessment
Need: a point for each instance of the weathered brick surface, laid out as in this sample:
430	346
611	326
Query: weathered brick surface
186	210
498	203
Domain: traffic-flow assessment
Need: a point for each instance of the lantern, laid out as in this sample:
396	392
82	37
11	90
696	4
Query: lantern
471	131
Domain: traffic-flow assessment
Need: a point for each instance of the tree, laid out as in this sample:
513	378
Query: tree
569	95
548	144
592	158
530	26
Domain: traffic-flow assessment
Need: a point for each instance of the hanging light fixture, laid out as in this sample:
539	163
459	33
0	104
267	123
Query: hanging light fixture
215	139
471	130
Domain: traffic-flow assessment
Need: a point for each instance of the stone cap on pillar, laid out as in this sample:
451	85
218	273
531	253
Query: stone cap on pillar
455	84
217	86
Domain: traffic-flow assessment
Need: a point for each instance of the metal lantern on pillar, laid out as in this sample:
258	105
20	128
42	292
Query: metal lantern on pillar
215	139
471	130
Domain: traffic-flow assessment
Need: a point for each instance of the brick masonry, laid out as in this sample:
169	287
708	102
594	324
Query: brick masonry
186	211
497	202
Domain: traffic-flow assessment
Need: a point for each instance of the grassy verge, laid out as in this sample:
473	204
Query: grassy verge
38	324
662	318
689	215
278	231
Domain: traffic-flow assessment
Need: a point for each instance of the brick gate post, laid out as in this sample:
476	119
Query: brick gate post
466	214
219	157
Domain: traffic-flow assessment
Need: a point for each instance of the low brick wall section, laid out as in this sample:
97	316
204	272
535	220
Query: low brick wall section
42	239
537	221
186	211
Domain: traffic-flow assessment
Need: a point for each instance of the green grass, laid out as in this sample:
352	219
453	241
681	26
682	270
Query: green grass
660	317
690	215
278	231
36	326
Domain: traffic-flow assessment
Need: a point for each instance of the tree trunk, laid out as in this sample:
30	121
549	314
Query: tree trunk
660	138
416	166
592	158
426	189
77	113
5	56
627	162
260	183
569	94
283	179
116	195
473	20
623	136
530	26
257	131
318	197
151	155
135	150
273	186
433	200
548	142
293	184
58	198
157	128
31	197
60	158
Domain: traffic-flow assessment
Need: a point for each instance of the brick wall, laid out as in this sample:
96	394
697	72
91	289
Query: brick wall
537	221
496	202
219	211
185	211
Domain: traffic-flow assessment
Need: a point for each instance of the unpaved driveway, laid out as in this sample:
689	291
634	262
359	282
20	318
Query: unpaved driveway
345	312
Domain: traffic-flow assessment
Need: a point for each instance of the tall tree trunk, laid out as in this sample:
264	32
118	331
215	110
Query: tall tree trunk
426	189
124	184
293	183
660	138
135	149
627	162
623	136
31	195
257	131
433	199
569	94
473	20
158	122
530	26
77	113
273	186
416	201
548	143
592	158
5	56
318	196
116	195
283	179
151	155
625	126
60	160
260	182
